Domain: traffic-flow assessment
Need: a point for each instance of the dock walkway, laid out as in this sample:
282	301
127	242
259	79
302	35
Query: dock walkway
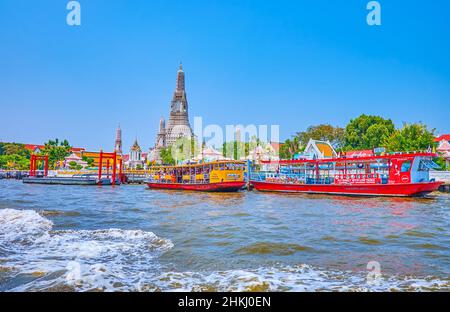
442	176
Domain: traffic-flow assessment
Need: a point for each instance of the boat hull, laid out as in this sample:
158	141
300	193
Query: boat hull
211	187
403	190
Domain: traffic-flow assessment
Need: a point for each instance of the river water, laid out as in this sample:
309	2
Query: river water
129	238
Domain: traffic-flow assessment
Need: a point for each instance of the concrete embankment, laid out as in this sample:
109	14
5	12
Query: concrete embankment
442	176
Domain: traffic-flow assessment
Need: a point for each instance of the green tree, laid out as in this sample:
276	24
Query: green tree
411	137
183	149
235	150
73	165
14	162
366	132
442	163
290	147
15	149
323	132
166	156
377	134
56	151
90	161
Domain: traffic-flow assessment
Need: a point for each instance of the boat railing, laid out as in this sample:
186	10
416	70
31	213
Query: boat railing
192	180
259	176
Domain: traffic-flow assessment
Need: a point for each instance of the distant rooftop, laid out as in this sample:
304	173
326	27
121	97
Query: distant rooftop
442	137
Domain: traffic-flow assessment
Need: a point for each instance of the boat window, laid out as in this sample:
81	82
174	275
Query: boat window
406	166
426	165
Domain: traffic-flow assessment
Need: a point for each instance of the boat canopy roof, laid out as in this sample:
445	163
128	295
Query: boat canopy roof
200	164
358	159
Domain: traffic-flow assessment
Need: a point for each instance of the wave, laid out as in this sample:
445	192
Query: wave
34	257
301	278
42	258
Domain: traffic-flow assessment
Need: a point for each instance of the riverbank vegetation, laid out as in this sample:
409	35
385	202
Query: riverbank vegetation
15	156
364	132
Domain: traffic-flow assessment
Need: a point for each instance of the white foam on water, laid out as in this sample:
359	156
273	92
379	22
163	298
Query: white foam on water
83	259
22	226
126	260
299	278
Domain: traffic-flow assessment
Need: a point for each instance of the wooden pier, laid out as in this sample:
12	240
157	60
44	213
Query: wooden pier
60	181
69	181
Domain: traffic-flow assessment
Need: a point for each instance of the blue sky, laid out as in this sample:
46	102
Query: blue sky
293	63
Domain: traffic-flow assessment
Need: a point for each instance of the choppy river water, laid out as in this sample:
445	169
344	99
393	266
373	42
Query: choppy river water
129	238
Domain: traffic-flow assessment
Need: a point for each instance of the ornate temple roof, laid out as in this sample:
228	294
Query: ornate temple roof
136	147
178	124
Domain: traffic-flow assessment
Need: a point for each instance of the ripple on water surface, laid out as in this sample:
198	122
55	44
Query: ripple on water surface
203	242
126	260
281	249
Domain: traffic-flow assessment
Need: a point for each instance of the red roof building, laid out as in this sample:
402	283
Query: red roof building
443	137
35	148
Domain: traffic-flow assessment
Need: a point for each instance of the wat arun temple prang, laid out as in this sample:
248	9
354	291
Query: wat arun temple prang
178	125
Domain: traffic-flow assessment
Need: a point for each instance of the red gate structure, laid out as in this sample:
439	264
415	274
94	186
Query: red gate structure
33	164
108	157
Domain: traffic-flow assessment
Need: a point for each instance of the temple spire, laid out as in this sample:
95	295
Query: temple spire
162	125
180	79
118	142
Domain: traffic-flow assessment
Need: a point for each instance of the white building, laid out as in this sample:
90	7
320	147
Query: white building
74	158
316	149
263	152
210	154
136	159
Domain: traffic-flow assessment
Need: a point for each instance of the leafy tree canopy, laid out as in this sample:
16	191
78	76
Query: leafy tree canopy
235	149
56	151
14	162
166	156
73	165
367	132
290	147
411	137
323	132
14	149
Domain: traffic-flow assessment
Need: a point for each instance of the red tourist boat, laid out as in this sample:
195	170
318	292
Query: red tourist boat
219	176
388	175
